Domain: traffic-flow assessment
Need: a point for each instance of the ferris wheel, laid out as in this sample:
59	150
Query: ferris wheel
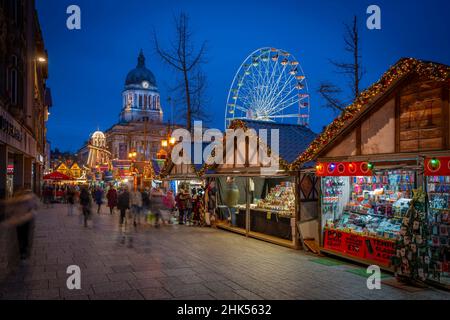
269	86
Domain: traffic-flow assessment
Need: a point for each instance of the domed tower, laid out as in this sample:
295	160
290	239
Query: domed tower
141	96
98	139
98	152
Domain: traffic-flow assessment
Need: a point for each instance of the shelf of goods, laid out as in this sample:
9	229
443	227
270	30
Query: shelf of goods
439	228
272	215
367	224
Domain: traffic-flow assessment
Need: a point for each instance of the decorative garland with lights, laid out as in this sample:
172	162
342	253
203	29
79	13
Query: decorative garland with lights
434	71
239	124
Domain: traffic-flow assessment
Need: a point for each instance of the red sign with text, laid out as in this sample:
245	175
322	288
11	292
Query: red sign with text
378	251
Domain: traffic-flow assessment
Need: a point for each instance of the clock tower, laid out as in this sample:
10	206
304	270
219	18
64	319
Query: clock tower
140	98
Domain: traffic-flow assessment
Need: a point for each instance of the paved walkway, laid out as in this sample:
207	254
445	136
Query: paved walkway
178	262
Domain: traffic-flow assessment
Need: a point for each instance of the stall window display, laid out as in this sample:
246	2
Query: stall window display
280	199
439	227
271	204
362	215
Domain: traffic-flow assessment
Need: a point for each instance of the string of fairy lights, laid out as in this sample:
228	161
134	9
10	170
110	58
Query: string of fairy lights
433	71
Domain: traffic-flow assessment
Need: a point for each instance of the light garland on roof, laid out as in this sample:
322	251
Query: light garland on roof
434	71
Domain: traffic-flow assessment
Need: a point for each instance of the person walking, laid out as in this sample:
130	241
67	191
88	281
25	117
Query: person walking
123	204
19	212
98	196
145	201
181	205
157	204
136	206
70	200
85	202
112	199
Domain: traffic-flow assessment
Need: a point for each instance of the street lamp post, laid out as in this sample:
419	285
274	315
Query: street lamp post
132	156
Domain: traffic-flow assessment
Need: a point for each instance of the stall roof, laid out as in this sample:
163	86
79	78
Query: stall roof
368	98
168	166
294	139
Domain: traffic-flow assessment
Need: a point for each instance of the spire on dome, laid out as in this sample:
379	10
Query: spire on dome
141	59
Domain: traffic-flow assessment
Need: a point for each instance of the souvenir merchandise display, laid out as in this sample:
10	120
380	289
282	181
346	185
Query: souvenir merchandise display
412	259
439	227
374	205
280	200
362	215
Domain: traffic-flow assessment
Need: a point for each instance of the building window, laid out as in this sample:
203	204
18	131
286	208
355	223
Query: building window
12	81
145	101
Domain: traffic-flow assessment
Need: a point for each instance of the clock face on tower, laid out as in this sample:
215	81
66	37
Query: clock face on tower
145	84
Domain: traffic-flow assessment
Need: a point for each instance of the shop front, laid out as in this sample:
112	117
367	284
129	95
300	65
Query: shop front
437	172
260	203
262	207
371	159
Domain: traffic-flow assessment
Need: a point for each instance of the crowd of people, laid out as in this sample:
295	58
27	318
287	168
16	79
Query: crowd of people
144	205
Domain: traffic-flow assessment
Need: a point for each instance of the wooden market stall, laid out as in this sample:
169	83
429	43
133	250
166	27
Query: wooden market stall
260	203
371	159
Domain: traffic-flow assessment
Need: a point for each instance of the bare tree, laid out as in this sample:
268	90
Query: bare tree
354	70
183	57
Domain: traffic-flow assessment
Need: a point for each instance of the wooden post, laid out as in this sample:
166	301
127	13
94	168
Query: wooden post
397	123
247	207
445	118
297	213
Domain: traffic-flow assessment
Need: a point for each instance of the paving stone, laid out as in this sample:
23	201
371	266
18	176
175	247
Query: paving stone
120	295
155	294
248	295
125	276
187	290
179	272
110	287
44	294
122	269
149	274
145	283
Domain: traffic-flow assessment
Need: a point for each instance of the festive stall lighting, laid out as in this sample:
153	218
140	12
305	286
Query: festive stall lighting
370	166
434	163
430	70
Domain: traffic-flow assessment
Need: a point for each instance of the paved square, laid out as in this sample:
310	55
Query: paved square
177	262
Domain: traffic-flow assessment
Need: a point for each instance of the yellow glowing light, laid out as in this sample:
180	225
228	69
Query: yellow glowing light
164	143
41	59
172	140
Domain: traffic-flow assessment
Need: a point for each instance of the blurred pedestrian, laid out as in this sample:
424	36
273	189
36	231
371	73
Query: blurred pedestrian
112	199
85	202
145	201
98	196
157	205
123	204
20	212
70	200
136	206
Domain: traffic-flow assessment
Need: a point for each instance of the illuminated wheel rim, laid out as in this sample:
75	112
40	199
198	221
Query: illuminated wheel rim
270	85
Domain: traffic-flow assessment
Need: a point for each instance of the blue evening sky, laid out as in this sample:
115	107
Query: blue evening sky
88	67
